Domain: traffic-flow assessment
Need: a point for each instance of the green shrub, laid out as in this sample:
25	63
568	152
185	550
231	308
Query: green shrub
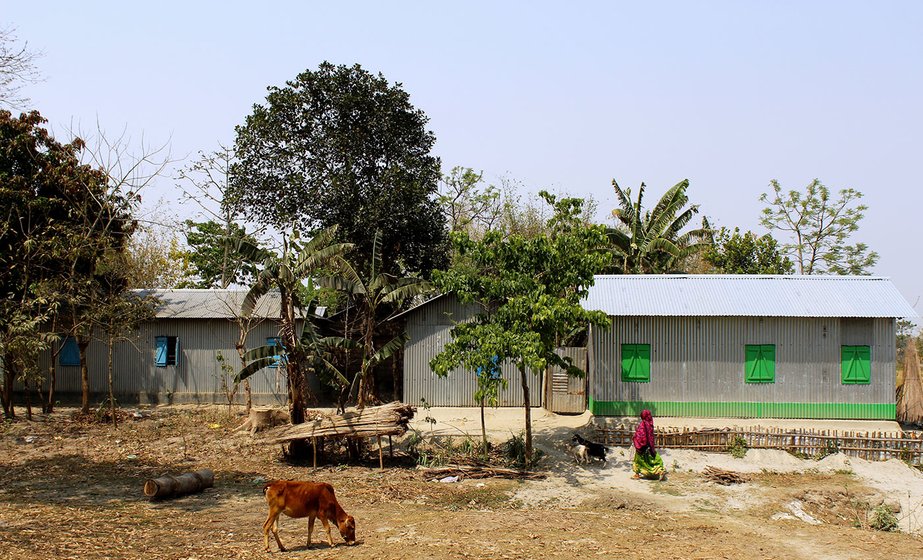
883	519
737	447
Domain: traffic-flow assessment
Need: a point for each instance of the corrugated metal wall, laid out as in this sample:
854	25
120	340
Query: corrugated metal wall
701	359
428	328
195	378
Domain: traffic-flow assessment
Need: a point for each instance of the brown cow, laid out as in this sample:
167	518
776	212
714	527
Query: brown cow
306	499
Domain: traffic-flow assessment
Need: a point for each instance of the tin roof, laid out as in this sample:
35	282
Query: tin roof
212	304
699	295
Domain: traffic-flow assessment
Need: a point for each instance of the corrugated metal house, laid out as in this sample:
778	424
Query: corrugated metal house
745	346
174	357
429	326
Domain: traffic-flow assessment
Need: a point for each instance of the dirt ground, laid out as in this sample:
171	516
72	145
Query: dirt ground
73	489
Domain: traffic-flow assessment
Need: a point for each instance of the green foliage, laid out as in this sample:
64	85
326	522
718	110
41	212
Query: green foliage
220	255
747	253
529	291
518	453
831	447
652	241
308	352
375	295
468	206
339	145
737	447
819	228
883	519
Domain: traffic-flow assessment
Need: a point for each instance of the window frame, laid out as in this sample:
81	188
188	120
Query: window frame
162	344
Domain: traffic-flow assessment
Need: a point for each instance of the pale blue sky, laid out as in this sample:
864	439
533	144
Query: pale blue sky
560	95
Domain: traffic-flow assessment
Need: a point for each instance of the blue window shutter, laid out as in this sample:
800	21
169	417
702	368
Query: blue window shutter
160	354
274	342
70	354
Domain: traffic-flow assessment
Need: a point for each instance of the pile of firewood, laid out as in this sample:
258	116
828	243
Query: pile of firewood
724	477
464	471
391	419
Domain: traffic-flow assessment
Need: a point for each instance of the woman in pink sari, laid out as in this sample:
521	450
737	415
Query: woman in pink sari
647	462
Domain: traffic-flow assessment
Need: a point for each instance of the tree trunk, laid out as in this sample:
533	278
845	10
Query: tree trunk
82	344
483	430
52	380
115	422
241	351
25	386
525	398
248	392
170	486
9	376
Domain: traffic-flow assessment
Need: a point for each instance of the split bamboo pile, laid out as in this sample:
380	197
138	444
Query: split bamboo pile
387	420
910	393
465	471
724	477
808	443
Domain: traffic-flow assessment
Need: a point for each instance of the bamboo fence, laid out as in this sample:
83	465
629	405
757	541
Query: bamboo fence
809	443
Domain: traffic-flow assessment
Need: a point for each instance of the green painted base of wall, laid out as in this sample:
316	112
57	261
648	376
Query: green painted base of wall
839	411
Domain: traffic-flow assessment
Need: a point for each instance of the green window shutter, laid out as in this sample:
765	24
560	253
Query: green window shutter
760	363
856	364
636	363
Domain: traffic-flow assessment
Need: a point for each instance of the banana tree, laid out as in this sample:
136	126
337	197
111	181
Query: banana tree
304	350
652	241
373	296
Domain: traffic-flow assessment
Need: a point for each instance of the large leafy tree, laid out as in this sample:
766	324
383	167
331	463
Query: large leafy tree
653	241
61	218
529	291
746	253
339	145
818	228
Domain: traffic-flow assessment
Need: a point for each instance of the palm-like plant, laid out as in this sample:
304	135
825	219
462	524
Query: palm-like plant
371	296
305	351
652	242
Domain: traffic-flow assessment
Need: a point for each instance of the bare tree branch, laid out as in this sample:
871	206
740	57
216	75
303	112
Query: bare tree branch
17	69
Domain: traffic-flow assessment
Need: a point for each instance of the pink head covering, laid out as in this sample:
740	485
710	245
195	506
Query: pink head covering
644	434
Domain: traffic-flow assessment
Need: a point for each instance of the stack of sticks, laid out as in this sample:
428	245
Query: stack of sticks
390	419
724	477
464	471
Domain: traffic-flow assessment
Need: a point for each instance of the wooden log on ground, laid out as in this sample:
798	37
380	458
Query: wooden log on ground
174	486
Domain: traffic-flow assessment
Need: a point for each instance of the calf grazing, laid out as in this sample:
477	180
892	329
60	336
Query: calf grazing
306	499
593	450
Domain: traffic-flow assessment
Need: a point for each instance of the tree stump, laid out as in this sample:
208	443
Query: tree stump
263	418
174	486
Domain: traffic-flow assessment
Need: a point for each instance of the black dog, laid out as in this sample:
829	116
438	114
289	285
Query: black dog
594	450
